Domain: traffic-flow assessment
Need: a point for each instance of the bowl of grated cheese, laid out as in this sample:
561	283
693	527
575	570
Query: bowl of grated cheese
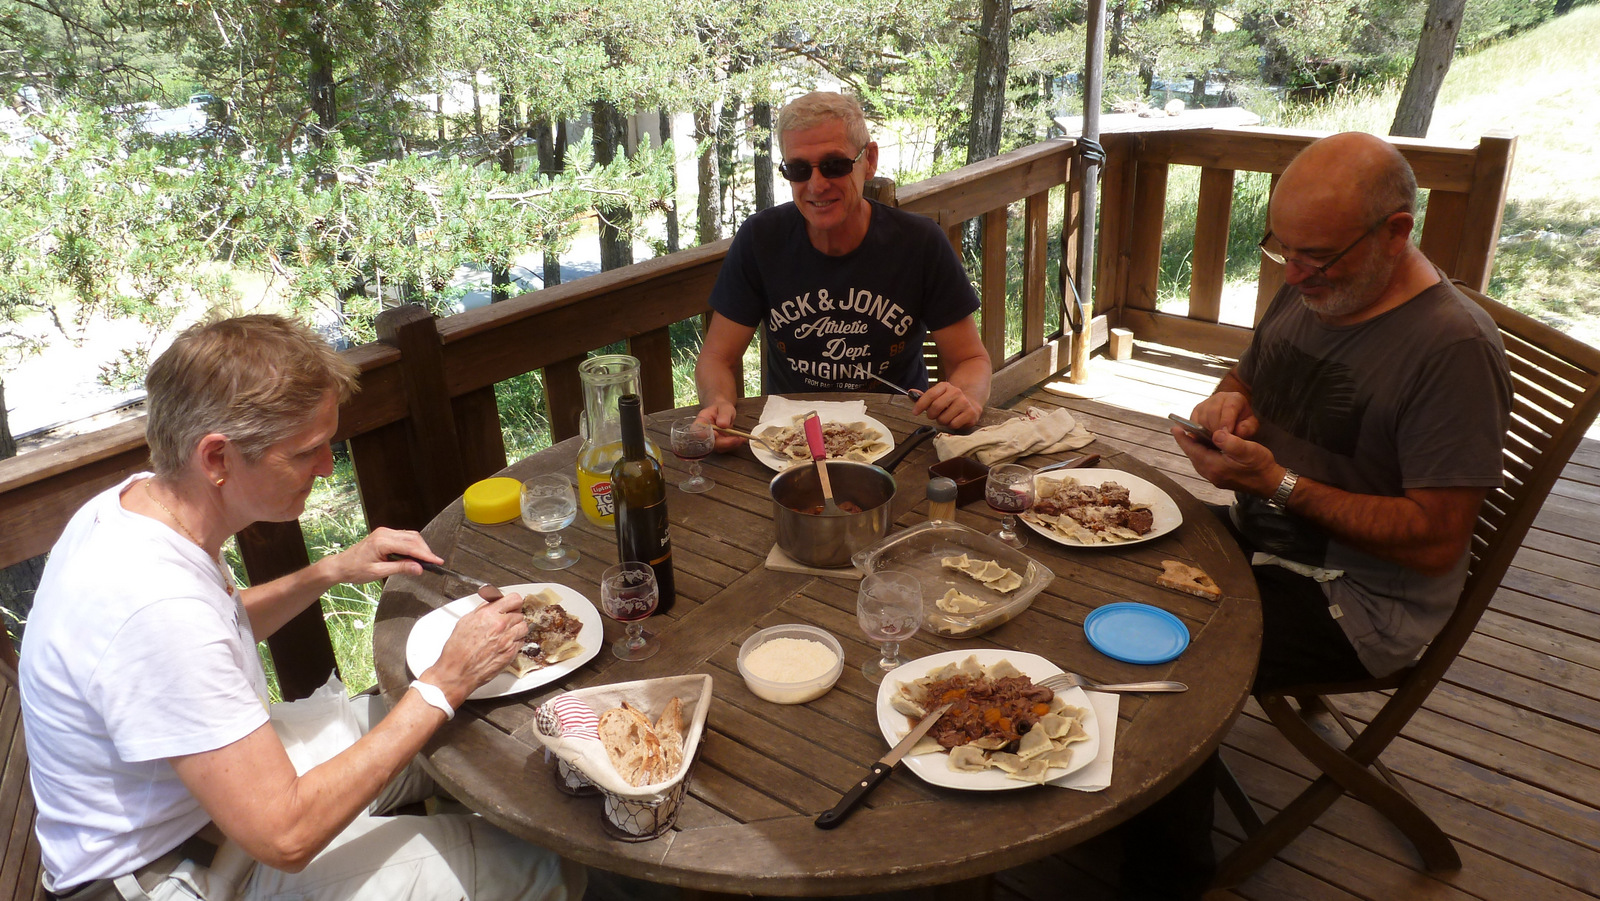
791	664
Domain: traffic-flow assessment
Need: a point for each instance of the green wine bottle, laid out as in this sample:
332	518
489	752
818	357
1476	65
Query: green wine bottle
640	494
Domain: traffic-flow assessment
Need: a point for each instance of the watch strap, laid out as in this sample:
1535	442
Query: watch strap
433	696
1280	498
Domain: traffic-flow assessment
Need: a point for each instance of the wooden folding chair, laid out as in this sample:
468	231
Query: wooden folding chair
1556	394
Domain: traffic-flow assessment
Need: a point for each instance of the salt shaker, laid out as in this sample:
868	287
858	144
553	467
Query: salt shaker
942	499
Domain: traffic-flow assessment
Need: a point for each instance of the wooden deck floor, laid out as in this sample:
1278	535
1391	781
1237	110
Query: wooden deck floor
1505	755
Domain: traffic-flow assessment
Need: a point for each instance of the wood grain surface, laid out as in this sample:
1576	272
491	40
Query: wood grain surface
765	771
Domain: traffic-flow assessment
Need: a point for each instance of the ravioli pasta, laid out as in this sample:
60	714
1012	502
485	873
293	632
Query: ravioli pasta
853	441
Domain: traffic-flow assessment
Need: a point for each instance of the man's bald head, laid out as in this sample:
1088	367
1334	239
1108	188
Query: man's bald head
1354	173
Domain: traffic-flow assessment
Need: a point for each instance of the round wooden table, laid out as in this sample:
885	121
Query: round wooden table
765	771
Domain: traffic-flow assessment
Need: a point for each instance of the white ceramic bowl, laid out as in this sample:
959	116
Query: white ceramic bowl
791	692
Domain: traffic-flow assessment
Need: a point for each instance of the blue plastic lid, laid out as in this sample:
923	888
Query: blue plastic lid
1136	633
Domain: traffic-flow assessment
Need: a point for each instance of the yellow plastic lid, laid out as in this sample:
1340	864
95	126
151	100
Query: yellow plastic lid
493	500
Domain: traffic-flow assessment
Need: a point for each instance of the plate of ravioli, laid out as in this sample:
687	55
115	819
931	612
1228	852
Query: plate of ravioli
970	582
1029	735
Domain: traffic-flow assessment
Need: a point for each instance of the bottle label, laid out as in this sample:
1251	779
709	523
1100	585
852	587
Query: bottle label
644	534
601	493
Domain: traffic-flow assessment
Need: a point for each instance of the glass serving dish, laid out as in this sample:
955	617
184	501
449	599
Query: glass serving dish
920	551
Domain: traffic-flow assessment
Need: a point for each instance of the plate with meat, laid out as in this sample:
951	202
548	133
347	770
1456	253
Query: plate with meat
565	631
1004	732
863	440
1103	507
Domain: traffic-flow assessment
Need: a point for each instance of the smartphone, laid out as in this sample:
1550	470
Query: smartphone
1199	432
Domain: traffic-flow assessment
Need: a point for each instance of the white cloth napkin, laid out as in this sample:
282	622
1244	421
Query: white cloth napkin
781	410
1097	775
1038	432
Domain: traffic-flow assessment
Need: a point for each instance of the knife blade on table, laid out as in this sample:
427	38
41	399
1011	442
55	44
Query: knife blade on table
1088	460
879	771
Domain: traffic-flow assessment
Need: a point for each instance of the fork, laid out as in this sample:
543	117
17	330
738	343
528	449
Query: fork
742	434
1064	681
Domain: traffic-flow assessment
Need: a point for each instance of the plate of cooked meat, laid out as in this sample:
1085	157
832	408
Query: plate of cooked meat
1004	732
565	631
1100	507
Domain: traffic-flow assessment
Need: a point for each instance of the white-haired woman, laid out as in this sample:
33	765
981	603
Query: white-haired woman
155	769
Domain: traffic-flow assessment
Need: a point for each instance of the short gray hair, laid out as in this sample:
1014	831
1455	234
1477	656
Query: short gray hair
1393	189
255	379
818	107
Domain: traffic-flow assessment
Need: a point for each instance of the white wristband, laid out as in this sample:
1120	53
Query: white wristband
433	696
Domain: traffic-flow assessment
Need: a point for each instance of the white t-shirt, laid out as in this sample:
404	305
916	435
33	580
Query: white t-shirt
137	650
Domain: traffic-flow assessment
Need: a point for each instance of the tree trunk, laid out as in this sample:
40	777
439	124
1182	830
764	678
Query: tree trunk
707	228
762	138
553	164
506	116
438	106
610	141
19	582
1434	51
728	158
674	242
320	80
477	110
8	444
1562	7
989	81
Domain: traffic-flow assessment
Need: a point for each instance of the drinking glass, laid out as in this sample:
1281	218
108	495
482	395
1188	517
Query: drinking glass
692	440
628	595
1010	490
549	504
889	608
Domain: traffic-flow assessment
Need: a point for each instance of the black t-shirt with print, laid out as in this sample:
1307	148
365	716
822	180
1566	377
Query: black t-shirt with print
829	318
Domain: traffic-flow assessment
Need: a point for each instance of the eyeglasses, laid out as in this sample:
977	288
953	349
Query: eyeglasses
836	167
1283	259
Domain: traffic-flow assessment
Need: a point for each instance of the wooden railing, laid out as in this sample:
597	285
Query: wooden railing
425	423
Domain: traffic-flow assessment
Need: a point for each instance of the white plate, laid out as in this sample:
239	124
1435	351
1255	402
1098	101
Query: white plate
774	462
428	636
1167	515
933	767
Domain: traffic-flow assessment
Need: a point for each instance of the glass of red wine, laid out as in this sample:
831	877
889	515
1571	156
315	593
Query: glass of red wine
692	440
1010	490
628	595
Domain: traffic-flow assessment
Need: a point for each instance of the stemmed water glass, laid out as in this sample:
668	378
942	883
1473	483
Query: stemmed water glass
889	608
692	441
549	504
1010	490
628	595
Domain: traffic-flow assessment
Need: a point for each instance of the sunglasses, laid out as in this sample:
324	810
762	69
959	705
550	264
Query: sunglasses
1282	258
837	167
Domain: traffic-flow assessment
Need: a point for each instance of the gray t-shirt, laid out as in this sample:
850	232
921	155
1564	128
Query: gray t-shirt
1418	397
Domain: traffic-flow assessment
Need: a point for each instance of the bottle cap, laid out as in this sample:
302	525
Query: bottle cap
941	490
493	501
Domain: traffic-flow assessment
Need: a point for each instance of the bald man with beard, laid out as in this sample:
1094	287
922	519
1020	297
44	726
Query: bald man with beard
1360	433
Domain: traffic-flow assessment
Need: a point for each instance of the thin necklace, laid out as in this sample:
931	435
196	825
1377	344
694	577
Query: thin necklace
227	576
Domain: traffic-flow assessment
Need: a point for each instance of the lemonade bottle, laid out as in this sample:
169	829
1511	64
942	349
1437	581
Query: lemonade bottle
606	379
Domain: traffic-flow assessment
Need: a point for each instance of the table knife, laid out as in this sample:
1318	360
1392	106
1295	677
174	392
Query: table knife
479	584
1088	460
879	771
913	393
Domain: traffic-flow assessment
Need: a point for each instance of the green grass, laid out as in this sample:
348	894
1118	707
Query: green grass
1537	86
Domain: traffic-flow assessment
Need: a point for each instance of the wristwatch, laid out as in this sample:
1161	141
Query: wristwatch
1280	498
433	696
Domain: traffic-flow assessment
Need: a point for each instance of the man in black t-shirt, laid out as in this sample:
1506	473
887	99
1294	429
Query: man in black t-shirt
845	288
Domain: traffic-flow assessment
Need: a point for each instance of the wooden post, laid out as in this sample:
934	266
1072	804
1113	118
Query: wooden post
1215	210
563	397
1486	207
994	285
302	653
1093	76
430	417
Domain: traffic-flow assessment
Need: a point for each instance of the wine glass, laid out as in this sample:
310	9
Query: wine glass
628	595
549	505
692	440
1009	490
889	608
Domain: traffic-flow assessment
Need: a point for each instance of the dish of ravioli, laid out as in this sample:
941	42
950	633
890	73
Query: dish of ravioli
429	633
861	441
1068	739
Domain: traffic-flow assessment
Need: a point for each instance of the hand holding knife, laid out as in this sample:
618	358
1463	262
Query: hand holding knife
879	771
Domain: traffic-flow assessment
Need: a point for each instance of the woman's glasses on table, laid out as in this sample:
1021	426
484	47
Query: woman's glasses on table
628	595
692	441
549	504
889	608
1009	490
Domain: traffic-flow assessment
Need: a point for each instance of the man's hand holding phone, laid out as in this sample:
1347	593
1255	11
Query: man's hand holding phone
1196	431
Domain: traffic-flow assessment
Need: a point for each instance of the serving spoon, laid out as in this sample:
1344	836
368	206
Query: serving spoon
819	453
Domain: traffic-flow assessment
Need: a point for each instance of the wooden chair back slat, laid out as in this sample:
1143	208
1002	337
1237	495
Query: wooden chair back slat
1546	429
19	857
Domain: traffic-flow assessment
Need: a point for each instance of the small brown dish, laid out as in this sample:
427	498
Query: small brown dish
968	474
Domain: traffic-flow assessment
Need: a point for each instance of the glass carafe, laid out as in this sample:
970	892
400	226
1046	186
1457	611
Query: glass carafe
606	379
